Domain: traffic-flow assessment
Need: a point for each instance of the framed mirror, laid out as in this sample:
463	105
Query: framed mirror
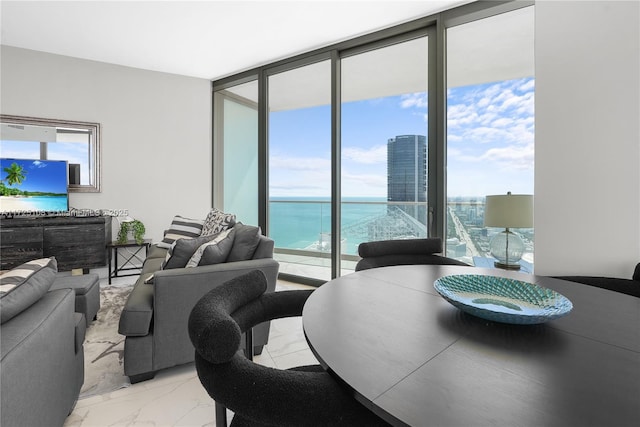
78	143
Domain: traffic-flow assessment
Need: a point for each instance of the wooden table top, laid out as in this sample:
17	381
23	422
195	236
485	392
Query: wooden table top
415	359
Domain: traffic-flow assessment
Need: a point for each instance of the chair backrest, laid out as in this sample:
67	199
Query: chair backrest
260	395
625	286
384	253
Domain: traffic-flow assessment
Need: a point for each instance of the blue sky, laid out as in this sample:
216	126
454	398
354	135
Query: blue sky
490	142
40	175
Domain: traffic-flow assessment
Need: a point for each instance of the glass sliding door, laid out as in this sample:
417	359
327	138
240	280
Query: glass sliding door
384	145
236	135
299	147
490	127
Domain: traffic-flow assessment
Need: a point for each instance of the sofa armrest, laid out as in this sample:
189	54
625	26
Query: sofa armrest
39	371
176	292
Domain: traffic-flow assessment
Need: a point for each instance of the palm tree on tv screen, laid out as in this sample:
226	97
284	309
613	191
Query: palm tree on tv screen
15	175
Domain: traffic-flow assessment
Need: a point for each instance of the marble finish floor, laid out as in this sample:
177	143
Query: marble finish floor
175	396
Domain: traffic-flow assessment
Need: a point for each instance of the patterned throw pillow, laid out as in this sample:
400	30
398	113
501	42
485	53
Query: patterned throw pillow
23	286
217	221
181	227
217	249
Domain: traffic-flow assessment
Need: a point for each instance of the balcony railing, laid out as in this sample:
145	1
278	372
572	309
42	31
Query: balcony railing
301	229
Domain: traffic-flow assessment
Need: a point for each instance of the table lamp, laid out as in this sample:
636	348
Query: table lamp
508	211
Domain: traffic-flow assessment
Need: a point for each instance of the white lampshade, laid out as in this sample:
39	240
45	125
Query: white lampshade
509	211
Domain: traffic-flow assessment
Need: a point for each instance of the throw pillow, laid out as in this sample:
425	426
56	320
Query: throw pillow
181	227
23	286
217	250
217	221
245	243
181	251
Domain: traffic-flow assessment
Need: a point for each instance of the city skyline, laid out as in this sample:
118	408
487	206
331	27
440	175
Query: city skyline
490	142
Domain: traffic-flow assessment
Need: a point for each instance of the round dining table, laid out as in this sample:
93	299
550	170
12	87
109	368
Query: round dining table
414	359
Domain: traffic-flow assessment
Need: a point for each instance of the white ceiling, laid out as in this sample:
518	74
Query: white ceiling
207	39
492	49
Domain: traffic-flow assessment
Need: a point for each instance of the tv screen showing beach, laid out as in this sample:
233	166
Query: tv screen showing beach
33	186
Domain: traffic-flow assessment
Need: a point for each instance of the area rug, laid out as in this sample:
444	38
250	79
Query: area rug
104	347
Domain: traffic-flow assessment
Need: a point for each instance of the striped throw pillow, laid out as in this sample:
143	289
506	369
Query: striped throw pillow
181	227
24	285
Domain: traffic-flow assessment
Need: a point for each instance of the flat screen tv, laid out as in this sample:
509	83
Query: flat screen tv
33	187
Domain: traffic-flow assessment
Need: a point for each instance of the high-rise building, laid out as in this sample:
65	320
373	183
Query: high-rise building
407	173
407	168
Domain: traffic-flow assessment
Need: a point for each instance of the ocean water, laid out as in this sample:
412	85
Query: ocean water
37	203
298	223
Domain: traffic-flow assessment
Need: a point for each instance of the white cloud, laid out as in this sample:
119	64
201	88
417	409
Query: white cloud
373	155
527	86
38	164
513	157
362	184
299	163
418	100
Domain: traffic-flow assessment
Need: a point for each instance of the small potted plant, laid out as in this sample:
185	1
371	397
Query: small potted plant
136	227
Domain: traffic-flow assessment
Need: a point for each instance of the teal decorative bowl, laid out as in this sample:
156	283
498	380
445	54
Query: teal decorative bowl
502	299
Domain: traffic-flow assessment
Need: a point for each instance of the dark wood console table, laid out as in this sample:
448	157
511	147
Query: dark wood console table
76	242
415	360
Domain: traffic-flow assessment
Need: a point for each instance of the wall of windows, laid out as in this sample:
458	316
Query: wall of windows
373	138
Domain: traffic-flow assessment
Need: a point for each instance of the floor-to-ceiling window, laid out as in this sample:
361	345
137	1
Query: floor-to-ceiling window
396	134
236	157
299	146
490	126
384	144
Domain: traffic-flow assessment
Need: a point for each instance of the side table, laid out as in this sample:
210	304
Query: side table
132	253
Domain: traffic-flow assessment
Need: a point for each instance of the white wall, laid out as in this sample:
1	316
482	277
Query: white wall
156	127
587	180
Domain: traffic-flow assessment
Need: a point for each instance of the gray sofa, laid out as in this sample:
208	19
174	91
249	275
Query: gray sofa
154	320
41	340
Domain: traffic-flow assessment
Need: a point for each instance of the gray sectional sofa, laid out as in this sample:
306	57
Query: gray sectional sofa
41	340
155	317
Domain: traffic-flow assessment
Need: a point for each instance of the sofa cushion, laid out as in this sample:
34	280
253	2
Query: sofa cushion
24	285
215	251
181	227
156	251
245	243
217	221
181	251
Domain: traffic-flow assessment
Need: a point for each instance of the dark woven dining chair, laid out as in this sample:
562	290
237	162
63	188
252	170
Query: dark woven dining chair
625	286
260	395
385	253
